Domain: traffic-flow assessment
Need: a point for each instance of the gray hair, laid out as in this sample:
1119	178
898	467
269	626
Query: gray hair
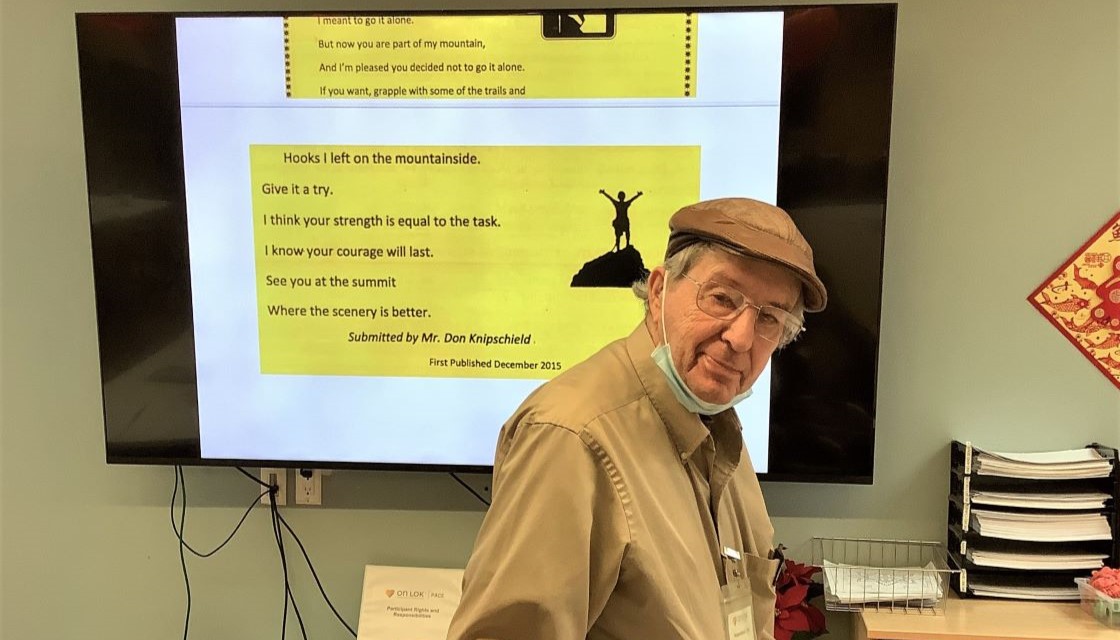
682	261
676	265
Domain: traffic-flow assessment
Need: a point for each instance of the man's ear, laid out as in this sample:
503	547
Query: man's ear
655	290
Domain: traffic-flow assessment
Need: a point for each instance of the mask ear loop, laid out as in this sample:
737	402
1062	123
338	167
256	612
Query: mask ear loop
664	334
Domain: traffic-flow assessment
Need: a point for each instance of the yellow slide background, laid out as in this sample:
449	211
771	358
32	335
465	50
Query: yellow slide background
489	246
486	57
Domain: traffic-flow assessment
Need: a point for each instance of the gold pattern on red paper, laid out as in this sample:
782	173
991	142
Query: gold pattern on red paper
1082	299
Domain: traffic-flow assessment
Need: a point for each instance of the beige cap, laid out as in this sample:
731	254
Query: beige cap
754	229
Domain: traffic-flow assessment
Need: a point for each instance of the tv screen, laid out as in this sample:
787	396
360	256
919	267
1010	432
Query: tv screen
359	240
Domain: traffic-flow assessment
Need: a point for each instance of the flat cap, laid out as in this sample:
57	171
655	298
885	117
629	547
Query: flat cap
754	229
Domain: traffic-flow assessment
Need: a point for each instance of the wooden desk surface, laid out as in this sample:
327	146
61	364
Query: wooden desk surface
984	619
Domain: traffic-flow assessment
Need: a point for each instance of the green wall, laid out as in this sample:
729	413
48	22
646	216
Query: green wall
1005	158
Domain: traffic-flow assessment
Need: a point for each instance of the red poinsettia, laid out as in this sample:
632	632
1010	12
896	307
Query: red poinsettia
792	611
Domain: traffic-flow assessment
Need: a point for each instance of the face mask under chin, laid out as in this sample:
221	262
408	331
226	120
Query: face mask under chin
663	357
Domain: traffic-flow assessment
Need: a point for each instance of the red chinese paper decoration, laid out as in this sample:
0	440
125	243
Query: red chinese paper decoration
1082	299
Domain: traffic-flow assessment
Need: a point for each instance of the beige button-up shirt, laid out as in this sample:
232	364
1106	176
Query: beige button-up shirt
607	494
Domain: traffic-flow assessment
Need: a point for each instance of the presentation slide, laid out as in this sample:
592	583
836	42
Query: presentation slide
488	57
400	226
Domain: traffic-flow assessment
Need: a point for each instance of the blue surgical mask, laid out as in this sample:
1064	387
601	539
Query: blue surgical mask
663	357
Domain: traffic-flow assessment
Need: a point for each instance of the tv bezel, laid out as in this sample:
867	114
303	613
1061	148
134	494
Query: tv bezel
186	451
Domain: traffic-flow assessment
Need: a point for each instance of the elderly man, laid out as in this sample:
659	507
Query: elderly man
625	505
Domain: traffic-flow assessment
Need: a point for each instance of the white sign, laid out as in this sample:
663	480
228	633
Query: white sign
408	603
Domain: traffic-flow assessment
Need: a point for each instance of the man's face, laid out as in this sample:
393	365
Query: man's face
719	359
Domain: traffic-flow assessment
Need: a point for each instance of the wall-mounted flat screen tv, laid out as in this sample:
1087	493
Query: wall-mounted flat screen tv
359	240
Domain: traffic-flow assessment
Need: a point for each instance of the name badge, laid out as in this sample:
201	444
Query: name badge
738	611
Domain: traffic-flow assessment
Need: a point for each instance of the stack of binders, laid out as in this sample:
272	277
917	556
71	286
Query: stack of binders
1024	525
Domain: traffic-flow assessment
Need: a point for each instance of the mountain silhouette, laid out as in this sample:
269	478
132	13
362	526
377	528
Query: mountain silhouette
612	269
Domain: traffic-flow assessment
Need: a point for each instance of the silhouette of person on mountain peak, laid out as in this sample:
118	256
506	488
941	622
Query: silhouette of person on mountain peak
621	222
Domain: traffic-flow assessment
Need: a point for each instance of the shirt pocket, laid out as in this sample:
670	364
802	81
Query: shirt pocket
760	575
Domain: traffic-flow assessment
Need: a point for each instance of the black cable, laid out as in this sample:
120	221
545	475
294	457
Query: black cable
277	521
255	478
469	488
288	595
218	548
182	556
284	567
180	530
273	490
315	575
279	518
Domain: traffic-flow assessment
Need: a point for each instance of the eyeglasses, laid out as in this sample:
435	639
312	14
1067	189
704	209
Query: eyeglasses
725	303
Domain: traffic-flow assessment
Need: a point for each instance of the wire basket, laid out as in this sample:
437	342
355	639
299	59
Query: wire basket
892	575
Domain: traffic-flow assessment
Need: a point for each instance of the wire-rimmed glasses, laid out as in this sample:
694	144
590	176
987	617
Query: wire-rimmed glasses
723	302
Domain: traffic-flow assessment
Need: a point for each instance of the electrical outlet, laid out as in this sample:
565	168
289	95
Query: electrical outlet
309	486
279	478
